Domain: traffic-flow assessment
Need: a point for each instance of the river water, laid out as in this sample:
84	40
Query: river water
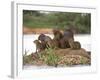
30	47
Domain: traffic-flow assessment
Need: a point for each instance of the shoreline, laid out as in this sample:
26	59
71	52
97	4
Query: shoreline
37	30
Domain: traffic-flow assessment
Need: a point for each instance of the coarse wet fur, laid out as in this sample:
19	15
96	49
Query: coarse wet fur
50	43
76	45
61	40
39	45
67	40
57	34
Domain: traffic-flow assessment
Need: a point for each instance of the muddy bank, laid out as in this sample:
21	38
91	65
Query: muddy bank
37	30
58	58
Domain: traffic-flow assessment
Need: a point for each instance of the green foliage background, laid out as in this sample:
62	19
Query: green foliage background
62	20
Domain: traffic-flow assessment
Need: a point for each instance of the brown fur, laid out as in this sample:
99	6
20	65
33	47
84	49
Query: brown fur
53	44
39	45
68	40
57	34
76	45
50	43
61	40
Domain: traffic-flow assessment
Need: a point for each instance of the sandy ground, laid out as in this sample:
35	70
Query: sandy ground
36	30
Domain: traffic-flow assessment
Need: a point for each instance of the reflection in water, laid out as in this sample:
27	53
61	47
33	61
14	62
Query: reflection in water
30	47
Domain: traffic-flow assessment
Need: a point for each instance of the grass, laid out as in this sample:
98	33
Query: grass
27	59
48	57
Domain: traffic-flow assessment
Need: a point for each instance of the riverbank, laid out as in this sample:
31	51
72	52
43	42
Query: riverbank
58	58
37	30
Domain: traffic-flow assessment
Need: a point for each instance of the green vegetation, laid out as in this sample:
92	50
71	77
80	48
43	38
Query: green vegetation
50	58
62	20
27	59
